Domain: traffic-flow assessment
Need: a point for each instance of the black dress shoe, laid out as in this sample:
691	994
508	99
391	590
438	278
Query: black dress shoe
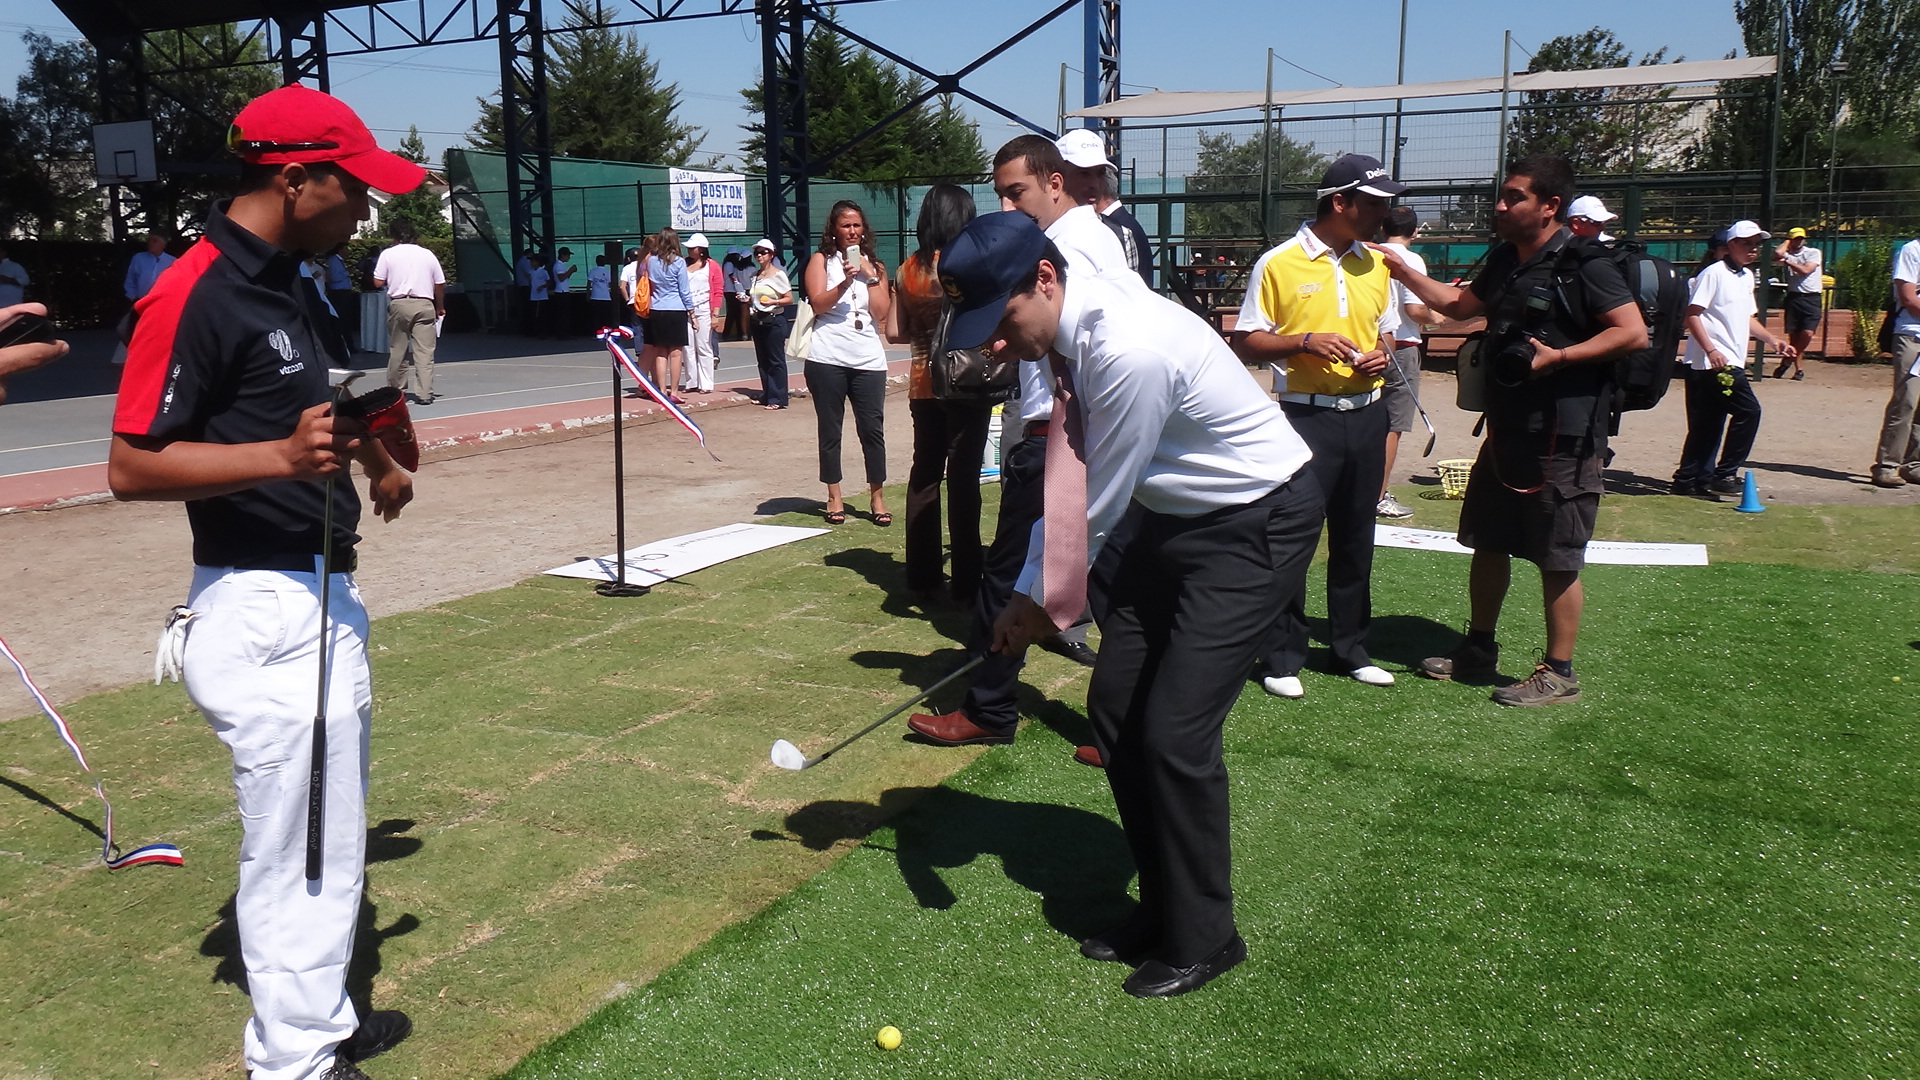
1157	979
1124	944
1077	651
381	1031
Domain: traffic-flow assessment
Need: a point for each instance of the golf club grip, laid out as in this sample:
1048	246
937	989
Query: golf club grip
904	706
316	795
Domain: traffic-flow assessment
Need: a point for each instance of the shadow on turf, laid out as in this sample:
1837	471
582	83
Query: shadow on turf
386	842
36	796
1396	642
1075	860
889	575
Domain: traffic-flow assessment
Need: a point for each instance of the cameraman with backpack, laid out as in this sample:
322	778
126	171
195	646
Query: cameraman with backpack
1559	314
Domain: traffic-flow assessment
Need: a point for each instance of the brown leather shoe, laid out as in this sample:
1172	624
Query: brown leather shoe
955	729
1090	755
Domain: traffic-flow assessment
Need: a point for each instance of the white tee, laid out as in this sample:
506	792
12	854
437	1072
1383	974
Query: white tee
1906	267
1401	297
1804	267
1728	307
538	283
409	270
562	284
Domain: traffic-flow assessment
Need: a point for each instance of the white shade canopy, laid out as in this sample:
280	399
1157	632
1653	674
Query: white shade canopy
1196	102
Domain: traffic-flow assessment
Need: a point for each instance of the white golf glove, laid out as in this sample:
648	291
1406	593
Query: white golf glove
169	656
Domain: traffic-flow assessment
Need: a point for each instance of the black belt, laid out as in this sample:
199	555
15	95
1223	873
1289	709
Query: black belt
1036	429
344	562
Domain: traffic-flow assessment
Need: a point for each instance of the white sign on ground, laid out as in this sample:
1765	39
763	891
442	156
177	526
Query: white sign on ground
666	559
1605	552
708	201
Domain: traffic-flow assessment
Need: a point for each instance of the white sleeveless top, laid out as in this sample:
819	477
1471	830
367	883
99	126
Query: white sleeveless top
835	339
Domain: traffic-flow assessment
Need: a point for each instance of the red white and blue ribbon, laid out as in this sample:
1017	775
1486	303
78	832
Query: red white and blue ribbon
611	336
162	854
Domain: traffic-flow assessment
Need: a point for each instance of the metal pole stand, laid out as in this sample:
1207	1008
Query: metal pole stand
619	586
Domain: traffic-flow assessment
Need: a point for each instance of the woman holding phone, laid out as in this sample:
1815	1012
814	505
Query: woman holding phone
847	287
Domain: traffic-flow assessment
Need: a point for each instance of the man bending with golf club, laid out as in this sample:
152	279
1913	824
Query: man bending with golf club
1152	408
226	405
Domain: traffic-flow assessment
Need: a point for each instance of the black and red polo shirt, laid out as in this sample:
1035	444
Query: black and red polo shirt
231	346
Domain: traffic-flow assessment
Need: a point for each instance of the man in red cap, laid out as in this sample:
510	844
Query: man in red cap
226	406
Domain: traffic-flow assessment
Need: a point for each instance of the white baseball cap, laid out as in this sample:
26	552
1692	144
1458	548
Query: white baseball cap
1742	229
764	244
1591	208
1083	148
697	240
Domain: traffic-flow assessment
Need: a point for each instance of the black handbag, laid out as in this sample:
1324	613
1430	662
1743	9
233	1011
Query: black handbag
968	375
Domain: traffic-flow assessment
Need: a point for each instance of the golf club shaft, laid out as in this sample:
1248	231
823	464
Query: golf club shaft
1407	385
902	707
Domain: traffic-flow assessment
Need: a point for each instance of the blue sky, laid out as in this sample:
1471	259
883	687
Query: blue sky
1165	44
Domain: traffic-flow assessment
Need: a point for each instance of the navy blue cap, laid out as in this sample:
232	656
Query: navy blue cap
1358	172
979	269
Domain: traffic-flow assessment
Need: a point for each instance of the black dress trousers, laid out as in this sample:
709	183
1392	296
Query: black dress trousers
1349	459
992	695
1189	609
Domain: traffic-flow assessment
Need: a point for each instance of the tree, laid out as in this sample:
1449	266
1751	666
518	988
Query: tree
192	110
604	99
421	206
1590	127
1229	165
46	137
1876	125
849	89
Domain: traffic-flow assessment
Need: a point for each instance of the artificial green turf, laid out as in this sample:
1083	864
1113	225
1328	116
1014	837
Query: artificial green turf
1707	867
571	793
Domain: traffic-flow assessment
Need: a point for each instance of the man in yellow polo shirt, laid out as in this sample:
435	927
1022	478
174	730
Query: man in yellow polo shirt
1319	310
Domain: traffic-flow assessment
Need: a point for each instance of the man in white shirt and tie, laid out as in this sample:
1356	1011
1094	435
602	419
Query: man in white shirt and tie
1172	425
1030	176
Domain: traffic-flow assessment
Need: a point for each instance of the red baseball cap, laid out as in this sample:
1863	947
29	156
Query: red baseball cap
297	124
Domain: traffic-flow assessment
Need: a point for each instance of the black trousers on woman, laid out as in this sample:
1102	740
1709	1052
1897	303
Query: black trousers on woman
832	387
949	441
770	350
1188	612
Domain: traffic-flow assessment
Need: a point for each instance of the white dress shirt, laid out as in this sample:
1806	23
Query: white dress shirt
1173	420
1090	248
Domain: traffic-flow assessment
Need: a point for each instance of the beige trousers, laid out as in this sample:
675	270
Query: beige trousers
410	321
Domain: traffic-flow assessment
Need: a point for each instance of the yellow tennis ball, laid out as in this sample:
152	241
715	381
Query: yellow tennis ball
888	1038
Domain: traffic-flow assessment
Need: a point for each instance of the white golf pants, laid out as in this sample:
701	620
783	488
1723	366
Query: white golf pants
701	351
252	669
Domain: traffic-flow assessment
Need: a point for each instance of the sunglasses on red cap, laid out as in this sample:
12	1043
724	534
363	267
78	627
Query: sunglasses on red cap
238	144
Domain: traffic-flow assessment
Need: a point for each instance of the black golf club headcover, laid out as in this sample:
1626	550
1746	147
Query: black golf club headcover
384	411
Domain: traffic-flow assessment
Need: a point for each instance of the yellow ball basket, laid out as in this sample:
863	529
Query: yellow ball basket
1453	476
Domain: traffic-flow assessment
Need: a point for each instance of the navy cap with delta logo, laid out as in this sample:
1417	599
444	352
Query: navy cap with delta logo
979	269
1358	172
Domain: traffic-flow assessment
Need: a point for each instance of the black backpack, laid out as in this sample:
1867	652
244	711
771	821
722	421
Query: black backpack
1641	378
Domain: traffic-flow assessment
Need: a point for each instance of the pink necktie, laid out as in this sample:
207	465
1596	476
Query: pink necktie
1064	562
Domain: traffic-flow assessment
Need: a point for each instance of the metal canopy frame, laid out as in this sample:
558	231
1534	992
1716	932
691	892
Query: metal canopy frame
135	41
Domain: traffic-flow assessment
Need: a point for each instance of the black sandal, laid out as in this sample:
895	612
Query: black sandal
883	519
836	517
